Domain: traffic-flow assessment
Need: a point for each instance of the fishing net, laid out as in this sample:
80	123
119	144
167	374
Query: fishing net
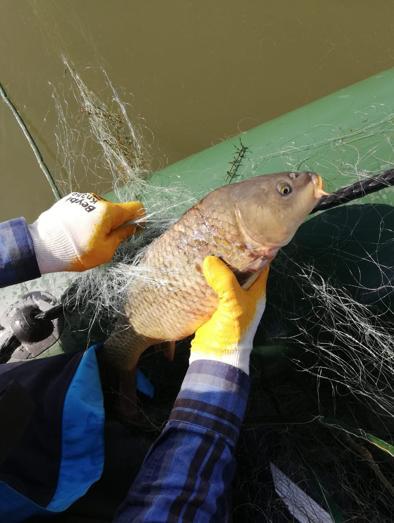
99	137
321	405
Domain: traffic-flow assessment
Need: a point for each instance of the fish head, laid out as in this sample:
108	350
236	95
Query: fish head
270	208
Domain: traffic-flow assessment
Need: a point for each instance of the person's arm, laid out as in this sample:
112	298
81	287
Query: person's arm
18	261
80	231
188	472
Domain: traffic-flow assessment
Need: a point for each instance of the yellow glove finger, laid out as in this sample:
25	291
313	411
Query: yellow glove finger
230	293
121	233
219	276
125	212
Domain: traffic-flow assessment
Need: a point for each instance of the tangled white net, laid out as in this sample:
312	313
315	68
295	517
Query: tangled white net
108	144
349	328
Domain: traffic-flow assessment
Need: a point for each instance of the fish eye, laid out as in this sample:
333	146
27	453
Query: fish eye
284	189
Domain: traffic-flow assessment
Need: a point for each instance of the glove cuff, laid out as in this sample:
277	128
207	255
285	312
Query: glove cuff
53	248
235	357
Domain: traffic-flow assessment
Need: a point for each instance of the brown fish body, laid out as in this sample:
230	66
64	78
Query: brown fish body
244	224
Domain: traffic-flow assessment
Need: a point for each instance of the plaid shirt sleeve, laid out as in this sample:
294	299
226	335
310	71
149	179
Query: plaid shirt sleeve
188	472
17	257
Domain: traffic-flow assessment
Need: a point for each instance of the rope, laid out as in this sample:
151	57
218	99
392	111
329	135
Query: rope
356	190
32	143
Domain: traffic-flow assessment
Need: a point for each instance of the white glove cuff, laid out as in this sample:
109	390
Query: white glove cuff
237	357
54	249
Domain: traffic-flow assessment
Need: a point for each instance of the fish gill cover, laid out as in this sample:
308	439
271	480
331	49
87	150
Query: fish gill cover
321	406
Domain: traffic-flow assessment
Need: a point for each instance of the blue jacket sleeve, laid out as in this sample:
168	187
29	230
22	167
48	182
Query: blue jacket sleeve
188	472
18	261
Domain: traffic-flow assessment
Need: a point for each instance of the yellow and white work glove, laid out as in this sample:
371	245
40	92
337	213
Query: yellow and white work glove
81	231
228	335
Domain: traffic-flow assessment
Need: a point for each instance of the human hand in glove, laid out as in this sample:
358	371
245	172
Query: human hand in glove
81	231
228	335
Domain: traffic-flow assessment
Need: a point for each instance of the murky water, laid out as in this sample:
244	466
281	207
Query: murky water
195	72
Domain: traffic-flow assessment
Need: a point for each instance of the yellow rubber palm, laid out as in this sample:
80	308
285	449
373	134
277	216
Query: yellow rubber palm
228	335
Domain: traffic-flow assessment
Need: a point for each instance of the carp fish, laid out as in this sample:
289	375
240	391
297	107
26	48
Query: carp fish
245	224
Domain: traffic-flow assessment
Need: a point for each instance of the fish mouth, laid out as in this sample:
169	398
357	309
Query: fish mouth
317	181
